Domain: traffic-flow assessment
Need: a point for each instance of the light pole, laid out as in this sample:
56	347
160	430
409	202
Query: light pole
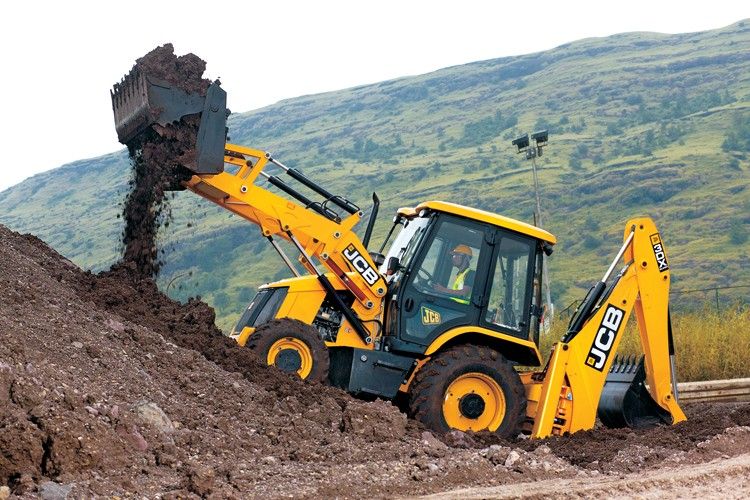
532	150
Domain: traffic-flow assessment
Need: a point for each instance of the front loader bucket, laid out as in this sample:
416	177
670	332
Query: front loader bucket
625	401
140	102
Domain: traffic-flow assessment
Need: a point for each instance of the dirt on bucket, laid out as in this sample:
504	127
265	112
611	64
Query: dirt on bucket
157	156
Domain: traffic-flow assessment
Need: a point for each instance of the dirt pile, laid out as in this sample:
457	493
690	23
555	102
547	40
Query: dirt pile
95	388
108	387
157	157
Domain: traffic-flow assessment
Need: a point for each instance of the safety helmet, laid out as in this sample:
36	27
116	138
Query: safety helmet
463	249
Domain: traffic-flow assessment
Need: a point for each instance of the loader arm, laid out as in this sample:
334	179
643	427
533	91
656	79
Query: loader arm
568	396
315	229
144	104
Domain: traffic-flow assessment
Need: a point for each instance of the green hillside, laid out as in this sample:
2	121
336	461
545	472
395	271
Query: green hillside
640	123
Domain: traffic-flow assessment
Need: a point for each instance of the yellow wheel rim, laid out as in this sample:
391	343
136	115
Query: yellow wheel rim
297	346
474	402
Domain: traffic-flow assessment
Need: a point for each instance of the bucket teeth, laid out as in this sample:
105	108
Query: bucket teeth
625	364
131	84
615	364
634	363
130	104
140	101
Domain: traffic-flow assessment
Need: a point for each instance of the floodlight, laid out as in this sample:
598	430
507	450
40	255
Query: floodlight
540	137
521	143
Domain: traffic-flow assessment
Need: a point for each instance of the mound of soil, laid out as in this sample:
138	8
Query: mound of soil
106	382
108	387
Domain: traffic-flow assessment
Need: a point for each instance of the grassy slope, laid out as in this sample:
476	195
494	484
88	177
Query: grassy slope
637	123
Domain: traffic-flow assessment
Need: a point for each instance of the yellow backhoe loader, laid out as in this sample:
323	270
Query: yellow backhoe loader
444	317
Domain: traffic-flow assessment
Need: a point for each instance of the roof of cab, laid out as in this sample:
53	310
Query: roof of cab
481	215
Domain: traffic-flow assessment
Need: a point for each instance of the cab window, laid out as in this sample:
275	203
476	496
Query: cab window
507	307
450	262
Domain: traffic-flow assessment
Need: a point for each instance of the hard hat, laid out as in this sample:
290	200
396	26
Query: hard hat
463	249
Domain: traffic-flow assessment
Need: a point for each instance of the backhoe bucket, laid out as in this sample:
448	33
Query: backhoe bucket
140	101
625	400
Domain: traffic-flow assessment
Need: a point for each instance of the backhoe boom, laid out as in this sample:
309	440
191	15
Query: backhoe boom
568	397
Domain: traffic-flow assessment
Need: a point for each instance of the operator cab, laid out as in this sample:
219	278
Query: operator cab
455	270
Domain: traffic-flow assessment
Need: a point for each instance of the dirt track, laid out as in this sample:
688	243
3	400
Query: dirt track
721	478
108	387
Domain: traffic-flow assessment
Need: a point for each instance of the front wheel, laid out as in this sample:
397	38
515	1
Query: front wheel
469	388
292	346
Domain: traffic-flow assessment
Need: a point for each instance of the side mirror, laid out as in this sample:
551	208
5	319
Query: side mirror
393	265
377	258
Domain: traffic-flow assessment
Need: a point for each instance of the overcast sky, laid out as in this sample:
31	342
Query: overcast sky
61	58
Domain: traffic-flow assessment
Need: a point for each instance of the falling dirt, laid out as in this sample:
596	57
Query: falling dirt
157	156
110	388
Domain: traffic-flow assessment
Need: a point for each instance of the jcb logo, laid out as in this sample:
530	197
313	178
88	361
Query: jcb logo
659	253
361	265
430	317
605	338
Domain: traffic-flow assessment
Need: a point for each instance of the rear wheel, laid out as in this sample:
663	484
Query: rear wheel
292	346
469	388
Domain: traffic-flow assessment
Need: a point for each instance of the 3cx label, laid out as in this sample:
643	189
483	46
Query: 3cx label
659	252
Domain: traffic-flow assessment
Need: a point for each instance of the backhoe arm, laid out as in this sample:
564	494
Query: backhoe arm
569	394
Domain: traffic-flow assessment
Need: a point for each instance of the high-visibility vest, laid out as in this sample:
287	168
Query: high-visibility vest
458	284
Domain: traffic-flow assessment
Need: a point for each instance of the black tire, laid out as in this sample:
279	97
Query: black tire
470	366
296	345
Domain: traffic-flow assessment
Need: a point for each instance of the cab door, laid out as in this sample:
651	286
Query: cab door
515	278
425	311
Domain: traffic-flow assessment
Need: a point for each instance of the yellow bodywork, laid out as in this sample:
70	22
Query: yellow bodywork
454	333
303	300
326	240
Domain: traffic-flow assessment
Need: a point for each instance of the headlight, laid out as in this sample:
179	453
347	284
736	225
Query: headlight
262	308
